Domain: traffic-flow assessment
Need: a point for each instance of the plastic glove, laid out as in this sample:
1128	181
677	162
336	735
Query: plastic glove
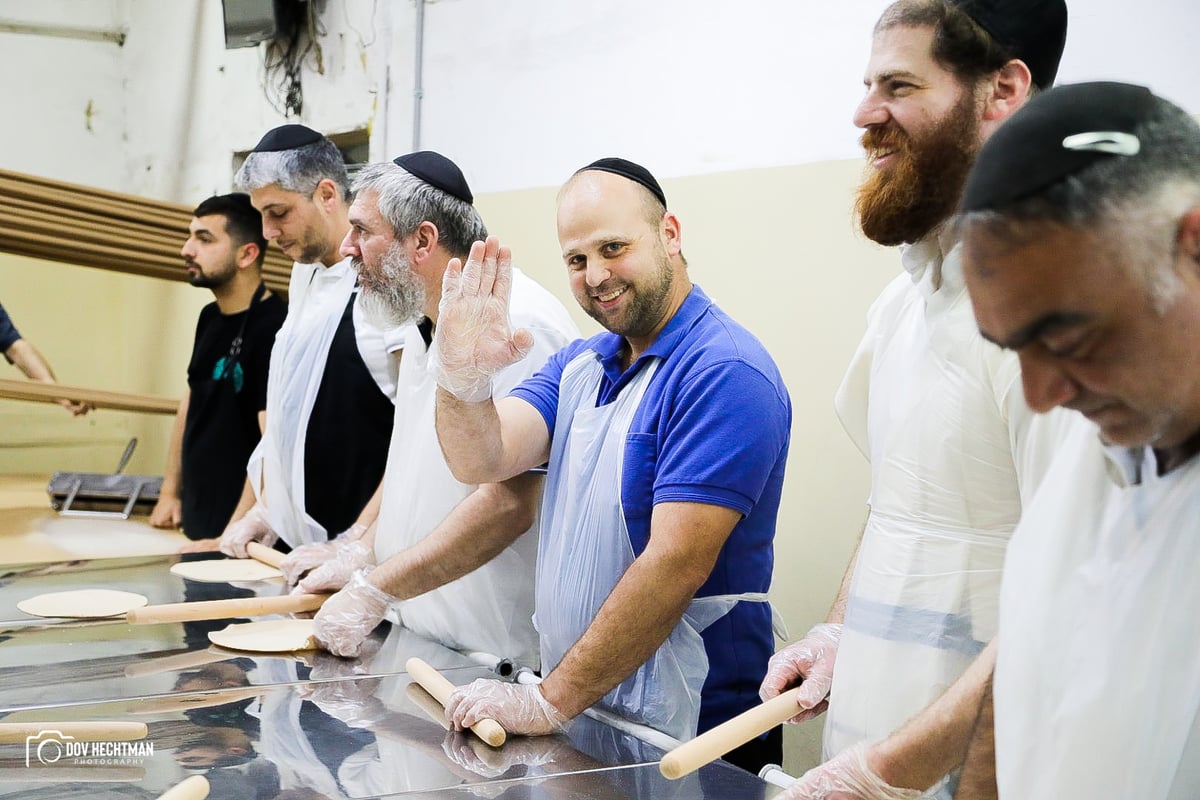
347	618
473	340
810	660
847	776
310	556
251	528
519	708
335	573
471	753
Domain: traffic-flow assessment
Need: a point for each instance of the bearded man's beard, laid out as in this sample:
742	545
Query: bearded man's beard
393	295
922	186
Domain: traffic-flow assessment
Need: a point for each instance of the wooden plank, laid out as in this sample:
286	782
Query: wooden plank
100	398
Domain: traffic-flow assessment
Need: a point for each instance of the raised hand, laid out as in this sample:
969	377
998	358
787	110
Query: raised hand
473	340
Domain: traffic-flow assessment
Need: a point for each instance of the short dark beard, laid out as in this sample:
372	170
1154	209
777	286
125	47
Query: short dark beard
213	281
649	302
923	186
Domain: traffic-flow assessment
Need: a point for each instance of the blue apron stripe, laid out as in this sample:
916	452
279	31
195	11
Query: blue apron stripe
935	629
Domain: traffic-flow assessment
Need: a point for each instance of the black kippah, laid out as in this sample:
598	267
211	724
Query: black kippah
438	171
1032	30
286	137
627	169
1056	134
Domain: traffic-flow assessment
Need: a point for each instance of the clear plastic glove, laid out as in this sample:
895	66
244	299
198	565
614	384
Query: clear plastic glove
809	660
310	556
347	619
847	776
519	708
473	340
251	528
335	573
472	754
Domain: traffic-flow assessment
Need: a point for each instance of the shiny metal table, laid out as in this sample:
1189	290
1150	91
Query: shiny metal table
301	726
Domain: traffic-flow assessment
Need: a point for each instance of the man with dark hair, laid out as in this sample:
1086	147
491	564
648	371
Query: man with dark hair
454	563
317	471
1081	231
666	437
220	419
936	409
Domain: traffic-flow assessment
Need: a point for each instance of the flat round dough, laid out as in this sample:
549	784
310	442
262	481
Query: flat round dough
82	603
268	636
225	570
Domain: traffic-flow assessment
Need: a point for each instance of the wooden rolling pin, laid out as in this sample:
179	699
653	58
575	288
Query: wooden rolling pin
89	731
225	609
194	788
716	742
436	684
100	398
267	555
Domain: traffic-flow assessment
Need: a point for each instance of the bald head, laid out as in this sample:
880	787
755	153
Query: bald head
623	253
598	184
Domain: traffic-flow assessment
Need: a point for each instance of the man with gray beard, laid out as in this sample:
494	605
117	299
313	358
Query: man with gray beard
453	552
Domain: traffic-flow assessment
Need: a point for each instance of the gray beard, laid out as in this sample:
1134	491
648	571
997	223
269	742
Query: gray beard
398	298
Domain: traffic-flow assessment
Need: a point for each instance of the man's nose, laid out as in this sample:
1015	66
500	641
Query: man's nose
1045	383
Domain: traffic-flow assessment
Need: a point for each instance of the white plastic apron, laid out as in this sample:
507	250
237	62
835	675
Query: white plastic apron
584	550
488	609
1097	687
276	467
944	501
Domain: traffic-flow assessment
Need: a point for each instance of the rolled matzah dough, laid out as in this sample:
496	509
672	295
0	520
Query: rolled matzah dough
268	636
225	570
82	603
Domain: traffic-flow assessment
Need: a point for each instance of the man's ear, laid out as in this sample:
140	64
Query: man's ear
327	194
247	255
1187	237
1006	91
427	238
672	234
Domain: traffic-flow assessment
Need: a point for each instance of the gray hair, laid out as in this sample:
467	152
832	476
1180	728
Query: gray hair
298	170
406	201
1138	200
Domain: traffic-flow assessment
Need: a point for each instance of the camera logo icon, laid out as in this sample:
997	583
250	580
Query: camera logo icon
46	748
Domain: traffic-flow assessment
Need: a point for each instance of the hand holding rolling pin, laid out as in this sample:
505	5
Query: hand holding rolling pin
809	663
519	708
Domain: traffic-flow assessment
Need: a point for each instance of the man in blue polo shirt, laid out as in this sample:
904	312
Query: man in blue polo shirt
666	439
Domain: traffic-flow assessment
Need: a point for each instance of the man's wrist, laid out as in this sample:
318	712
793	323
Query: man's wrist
558	694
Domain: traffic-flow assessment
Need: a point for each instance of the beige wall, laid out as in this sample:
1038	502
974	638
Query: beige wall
775	247
101	330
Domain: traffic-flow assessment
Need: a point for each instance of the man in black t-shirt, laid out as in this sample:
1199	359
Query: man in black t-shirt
220	418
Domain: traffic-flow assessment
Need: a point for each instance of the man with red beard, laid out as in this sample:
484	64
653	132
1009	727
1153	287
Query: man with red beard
937	410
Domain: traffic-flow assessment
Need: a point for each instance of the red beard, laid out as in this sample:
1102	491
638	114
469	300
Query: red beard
922	186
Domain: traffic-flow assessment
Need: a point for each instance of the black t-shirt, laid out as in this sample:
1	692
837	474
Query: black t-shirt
222	419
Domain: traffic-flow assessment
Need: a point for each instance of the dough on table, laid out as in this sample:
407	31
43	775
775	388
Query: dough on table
82	603
225	570
268	636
